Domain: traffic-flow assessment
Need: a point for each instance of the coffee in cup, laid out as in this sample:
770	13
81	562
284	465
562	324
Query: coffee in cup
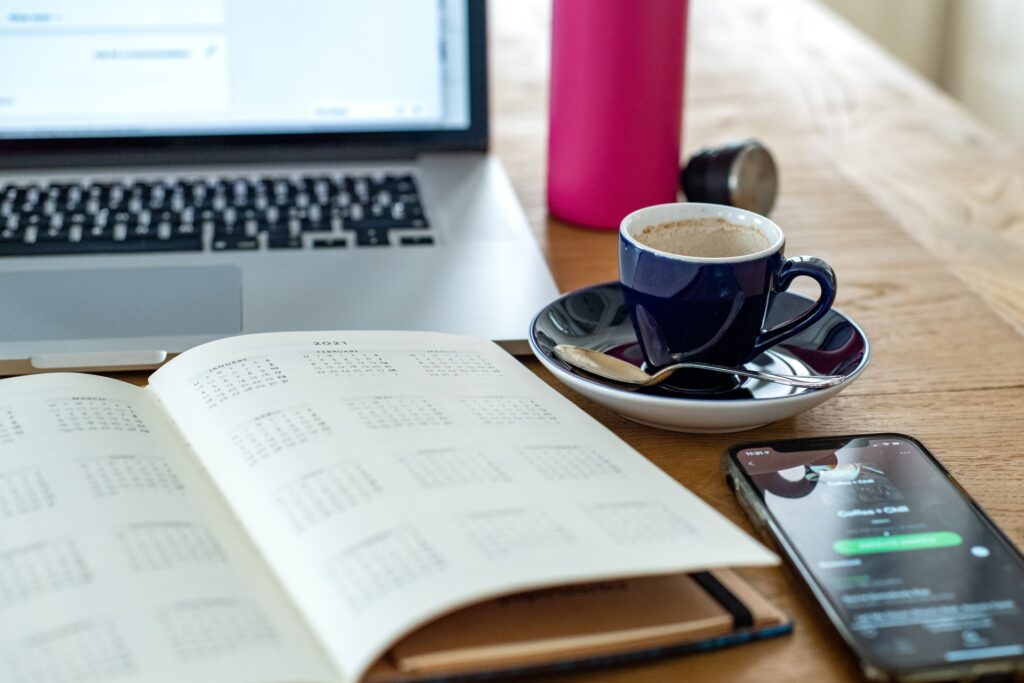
711	237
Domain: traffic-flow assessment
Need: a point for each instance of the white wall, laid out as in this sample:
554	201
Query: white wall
971	48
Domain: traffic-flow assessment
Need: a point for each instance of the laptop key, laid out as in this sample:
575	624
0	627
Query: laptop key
174	244
184	230
381	224
50	248
330	243
141	232
411	240
36	248
52	235
372	238
283	241
228	232
235	242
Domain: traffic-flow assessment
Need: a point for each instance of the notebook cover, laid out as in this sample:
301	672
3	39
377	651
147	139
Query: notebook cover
584	626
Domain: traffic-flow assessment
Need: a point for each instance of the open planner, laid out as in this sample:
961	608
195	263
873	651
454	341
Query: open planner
336	507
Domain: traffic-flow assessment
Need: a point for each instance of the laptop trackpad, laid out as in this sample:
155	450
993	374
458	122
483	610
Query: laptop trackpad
124	302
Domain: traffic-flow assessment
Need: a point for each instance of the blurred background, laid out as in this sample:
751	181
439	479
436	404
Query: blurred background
972	49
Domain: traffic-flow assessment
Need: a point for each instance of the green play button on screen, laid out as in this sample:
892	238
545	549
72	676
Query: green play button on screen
896	543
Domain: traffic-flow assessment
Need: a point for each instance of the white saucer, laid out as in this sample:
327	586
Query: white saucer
596	318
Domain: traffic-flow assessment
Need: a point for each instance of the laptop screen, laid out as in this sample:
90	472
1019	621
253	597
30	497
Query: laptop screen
155	68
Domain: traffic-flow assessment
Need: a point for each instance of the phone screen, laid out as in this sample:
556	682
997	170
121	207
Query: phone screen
917	574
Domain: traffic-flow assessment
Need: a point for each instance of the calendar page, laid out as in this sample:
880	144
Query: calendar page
389	478
118	558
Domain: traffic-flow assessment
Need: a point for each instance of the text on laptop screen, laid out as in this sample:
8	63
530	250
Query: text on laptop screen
70	68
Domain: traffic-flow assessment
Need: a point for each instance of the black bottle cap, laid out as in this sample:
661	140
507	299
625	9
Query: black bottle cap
741	174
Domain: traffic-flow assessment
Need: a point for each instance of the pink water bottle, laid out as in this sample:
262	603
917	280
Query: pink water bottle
616	107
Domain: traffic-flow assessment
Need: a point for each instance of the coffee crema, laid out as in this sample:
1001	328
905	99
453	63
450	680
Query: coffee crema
703	238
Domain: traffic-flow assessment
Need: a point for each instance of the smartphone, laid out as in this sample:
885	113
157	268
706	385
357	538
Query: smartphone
915	577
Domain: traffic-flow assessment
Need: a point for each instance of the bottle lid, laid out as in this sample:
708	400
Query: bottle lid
741	174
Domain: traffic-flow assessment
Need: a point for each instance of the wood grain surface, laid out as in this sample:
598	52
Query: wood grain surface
824	99
919	208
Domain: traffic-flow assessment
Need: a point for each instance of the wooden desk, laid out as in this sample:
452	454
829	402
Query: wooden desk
917	206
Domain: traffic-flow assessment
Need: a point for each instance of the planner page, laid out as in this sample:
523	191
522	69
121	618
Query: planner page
391	477
118	559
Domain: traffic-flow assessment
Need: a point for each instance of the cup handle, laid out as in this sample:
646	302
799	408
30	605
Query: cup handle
791	269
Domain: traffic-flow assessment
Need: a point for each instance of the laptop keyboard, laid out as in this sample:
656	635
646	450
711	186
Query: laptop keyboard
243	213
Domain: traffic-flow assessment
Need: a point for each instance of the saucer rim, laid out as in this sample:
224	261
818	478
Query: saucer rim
670	400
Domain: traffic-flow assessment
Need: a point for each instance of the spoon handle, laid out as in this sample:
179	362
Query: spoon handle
819	382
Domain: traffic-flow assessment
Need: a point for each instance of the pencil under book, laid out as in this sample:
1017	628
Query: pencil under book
344	506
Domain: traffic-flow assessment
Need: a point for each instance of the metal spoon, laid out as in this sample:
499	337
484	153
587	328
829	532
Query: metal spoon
617	370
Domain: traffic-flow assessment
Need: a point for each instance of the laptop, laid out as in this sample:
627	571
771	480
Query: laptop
176	171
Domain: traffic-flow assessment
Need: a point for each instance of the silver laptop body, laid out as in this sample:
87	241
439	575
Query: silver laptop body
130	236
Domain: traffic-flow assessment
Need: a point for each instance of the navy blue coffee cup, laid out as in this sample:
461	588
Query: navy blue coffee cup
711	309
